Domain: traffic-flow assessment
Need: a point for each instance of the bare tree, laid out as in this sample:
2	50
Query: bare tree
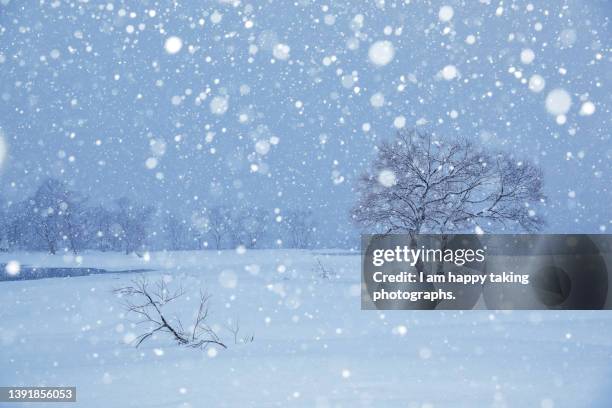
75	223
247	227
300	226
217	224
235	227
21	222
132	218
101	224
254	225
148	301
422	183
177	231
46	212
4	226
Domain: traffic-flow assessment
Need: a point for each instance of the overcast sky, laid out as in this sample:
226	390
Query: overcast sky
280	105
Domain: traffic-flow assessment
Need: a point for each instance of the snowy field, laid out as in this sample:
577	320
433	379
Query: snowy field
313	346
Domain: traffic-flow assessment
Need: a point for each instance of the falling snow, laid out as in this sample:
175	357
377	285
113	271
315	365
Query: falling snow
261	113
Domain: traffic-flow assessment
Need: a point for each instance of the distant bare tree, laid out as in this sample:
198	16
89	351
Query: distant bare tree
46	212
21	222
421	183
300	226
147	302
101	224
133	219
177	232
75	220
217	224
4	226
247	226
235	230
254	224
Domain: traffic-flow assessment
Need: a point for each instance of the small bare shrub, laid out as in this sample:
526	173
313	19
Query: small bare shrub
324	272
234	328
148	301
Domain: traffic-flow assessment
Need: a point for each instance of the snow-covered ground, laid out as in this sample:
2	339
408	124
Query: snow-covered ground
312	347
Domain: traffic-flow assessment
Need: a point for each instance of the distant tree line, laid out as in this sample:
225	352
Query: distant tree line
219	227
58	219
